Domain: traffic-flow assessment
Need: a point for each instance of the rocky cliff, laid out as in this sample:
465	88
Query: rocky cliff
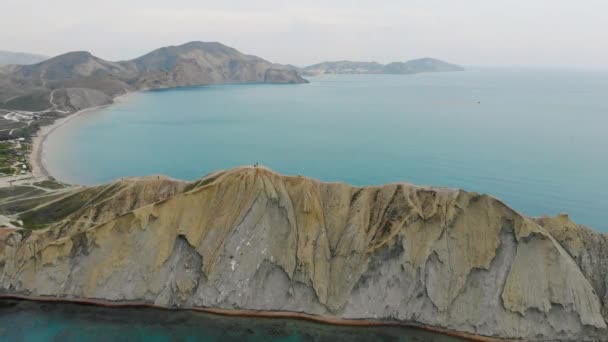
249	238
43	86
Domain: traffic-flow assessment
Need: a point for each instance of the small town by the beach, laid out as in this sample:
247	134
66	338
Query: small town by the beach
21	172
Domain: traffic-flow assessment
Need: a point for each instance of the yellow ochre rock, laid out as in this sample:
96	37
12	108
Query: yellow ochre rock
249	238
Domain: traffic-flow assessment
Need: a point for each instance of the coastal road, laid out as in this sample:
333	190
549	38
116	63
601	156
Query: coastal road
10	98
54	106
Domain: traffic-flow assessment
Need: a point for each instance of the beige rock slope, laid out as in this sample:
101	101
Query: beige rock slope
589	249
249	238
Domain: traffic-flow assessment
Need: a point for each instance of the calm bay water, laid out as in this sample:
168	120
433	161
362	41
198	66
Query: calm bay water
32	321
536	139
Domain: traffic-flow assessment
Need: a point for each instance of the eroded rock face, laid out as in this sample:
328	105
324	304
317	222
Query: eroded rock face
588	249
249	238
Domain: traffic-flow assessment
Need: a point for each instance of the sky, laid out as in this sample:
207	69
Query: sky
551	33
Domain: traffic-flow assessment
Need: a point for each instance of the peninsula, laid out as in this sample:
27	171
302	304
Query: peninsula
249	241
47	93
254	242
415	66
78	80
37	98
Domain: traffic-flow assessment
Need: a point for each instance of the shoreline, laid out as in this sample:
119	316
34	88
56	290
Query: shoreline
36	155
259	314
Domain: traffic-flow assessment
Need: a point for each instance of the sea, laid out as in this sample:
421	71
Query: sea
535	138
36	321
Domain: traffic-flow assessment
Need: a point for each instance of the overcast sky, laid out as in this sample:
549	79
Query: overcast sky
471	32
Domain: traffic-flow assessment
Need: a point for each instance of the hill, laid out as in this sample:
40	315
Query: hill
7	57
344	67
78	79
411	67
421	65
252	239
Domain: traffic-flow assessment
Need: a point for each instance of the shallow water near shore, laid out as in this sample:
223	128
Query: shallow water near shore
38	321
537	139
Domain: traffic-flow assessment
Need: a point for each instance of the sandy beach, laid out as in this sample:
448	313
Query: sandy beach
36	155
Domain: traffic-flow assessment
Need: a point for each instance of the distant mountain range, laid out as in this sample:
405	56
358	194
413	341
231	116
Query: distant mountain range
7	57
414	66
77	80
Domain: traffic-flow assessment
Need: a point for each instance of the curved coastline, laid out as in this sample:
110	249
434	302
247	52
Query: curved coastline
36	157
260	314
37	153
39	170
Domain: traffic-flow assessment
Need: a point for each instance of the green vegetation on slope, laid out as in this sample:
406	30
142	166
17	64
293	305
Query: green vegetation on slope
35	101
13	158
50	184
55	211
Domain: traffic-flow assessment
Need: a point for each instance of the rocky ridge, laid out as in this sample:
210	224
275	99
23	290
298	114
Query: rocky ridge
77	80
251	239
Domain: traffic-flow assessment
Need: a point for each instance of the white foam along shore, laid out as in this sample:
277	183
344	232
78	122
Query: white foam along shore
36	157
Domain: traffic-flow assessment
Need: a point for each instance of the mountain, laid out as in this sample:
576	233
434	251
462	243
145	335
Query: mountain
411	67
7	57
252	239
419	66
344	67
198	63
79	79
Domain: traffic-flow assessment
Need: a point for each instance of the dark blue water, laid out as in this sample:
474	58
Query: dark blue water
32	321
536	139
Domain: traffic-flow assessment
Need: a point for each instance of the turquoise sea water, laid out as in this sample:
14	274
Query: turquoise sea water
537	139
32	321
